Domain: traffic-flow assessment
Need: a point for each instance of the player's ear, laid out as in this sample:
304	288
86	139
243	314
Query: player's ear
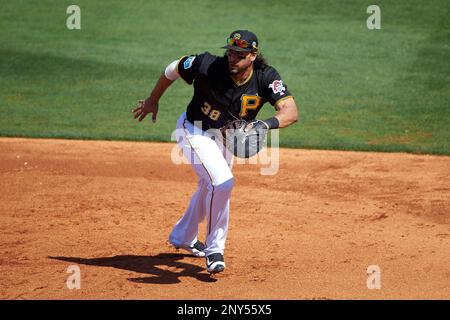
253	56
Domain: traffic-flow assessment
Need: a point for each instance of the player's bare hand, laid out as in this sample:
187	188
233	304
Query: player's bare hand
145	107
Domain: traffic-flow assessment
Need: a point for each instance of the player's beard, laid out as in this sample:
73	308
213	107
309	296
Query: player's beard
236	70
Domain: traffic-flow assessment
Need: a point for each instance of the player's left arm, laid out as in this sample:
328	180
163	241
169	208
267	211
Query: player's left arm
287	112
276	92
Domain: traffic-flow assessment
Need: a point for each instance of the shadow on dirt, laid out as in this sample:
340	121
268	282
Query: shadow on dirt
153	265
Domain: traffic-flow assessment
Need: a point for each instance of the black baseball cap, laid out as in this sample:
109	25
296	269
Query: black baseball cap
242	40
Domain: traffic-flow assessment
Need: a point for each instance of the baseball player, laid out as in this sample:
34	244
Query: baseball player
234	86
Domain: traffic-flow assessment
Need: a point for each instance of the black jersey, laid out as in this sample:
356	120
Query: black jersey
218	99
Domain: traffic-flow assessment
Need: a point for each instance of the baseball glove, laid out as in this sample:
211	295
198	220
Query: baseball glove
245	139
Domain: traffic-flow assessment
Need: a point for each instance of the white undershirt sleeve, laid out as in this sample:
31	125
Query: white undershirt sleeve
171	71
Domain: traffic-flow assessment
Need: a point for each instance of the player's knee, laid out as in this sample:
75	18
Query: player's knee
225	186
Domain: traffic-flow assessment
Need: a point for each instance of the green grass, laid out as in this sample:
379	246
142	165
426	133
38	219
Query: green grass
382	90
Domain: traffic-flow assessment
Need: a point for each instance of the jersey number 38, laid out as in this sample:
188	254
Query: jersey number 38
210	112
248	102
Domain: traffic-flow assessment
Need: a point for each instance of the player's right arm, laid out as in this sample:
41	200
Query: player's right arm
186	67
150	105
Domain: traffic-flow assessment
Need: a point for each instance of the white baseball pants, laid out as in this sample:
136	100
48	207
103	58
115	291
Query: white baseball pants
212	163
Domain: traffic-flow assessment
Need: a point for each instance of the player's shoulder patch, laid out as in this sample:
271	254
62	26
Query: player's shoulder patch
272	80
277	87
188	62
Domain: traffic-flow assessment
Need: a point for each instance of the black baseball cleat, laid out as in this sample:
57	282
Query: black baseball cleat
197	249
215	263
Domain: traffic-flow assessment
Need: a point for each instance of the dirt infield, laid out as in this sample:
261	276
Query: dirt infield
308	232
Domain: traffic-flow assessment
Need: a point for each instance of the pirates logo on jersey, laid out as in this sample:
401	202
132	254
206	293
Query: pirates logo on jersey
277	87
